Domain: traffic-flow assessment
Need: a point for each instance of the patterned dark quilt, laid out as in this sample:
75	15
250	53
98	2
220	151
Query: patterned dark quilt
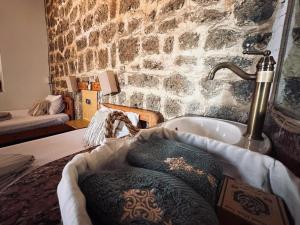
33	199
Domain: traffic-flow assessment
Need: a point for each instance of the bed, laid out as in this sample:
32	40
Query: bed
23	127
32	199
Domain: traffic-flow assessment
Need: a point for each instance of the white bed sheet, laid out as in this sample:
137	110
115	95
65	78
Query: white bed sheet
51	148
22	121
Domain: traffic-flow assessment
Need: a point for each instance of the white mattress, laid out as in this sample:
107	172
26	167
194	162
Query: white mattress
22	121
50	148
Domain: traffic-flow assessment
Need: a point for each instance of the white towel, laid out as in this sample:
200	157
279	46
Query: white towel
95	134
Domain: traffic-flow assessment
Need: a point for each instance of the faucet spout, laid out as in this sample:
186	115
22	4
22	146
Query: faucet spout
237	70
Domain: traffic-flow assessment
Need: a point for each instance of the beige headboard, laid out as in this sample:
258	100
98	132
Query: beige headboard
89	108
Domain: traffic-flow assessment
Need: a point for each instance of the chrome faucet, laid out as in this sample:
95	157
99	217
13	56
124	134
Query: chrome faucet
264	78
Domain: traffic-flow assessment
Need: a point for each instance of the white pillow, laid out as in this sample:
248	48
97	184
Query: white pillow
56	104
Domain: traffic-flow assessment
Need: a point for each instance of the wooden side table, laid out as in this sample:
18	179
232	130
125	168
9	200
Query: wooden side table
78	124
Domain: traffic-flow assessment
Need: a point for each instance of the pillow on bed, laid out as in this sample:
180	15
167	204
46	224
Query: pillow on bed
40	108
193	165
95	133
139	196
56	104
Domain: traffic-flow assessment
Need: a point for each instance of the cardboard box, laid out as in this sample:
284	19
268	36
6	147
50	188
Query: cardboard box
241	204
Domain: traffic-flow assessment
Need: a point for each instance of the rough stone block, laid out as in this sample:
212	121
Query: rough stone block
185	60
74	14
152	15
149	29
178	85
143	80
122	98
101	14
242	91
127	5
128	49
81	44
108	32
78	28
133	25
66	69
188	40
70	37
205	2
172	5
153	102
81	66
82	7
256	11
91	4
59	57
122	80
242	62
151	45
72	67
113	9
94	38
121	27
211	88
88	22
220	38
67	54
68	7
194	108
136	100
228	113
172	108
206	16
89	59
102	58
113	52
61	45
169	45
152	65
167	26
136	67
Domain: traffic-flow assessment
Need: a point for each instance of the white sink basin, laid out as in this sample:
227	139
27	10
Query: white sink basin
221	130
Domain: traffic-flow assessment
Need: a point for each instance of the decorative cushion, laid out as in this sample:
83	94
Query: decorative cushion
56	104
40	108
139	196
194	166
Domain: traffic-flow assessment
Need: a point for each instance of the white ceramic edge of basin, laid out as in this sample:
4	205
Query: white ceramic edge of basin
263	147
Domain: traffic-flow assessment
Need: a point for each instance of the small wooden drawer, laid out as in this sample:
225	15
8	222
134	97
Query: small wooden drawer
78	124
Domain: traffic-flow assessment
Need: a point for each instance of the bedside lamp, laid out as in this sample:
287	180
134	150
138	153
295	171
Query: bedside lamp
71	84
108	82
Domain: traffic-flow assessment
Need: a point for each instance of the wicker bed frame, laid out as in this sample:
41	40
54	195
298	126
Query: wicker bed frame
28	135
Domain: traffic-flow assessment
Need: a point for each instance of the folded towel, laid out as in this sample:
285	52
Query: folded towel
193	165
139	196
5	116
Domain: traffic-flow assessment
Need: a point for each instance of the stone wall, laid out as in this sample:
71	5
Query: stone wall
160	50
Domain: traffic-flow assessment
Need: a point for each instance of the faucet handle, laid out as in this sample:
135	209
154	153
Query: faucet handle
250	50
